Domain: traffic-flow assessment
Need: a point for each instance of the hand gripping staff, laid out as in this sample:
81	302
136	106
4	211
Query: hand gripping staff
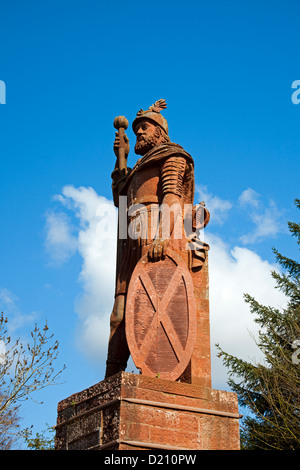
121	123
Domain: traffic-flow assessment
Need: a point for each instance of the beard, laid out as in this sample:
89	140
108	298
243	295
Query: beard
144	144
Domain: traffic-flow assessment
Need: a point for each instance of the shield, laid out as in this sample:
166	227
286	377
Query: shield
160	318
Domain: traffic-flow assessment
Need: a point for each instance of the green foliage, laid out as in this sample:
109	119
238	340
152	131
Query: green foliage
271	391
25	368
41	441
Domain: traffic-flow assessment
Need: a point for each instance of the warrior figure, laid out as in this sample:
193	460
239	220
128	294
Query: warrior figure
162	177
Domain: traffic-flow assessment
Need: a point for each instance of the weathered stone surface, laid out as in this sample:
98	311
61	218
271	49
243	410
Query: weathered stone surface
162	296
158	190
135	412
161	317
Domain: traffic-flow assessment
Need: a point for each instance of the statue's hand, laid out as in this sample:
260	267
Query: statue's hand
117	145
157	250
117	177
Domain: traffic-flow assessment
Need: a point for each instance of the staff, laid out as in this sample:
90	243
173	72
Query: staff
121	123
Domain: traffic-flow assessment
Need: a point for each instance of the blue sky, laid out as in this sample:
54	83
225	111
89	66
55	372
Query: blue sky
226	70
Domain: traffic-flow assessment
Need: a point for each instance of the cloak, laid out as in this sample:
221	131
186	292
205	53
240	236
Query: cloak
156	156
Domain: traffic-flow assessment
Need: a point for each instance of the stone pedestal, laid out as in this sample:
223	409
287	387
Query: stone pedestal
134	412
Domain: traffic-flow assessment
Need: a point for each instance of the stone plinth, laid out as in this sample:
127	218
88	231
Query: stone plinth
134	412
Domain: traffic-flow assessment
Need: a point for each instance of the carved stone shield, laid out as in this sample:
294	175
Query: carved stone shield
160	317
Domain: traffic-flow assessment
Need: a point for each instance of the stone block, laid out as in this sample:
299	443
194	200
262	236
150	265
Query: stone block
134	412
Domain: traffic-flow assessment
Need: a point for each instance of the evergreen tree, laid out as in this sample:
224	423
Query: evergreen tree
271	391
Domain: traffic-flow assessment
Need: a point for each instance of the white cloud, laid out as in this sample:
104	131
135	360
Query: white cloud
249	196
7	298
266	218
217	207
96	243
60	240
10	309
232	274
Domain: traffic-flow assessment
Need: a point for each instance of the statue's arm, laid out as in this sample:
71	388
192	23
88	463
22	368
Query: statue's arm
119	176
172	173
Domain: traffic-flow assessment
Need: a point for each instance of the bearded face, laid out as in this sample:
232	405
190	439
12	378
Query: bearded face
144	144
147	136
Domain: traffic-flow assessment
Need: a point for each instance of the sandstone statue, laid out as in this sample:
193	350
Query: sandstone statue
162	239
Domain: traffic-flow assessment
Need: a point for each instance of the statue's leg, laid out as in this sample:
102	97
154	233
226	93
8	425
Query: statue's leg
118	351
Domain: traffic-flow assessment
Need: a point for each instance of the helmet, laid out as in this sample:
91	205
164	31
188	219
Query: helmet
153	114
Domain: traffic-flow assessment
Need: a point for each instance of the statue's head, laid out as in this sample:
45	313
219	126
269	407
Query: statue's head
150	128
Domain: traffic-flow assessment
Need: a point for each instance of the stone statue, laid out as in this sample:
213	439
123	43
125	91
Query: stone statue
161	182
160	315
